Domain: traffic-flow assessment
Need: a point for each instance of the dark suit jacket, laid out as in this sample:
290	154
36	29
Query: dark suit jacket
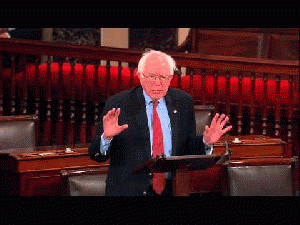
132	146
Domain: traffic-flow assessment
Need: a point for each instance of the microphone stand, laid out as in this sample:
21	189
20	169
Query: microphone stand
226	156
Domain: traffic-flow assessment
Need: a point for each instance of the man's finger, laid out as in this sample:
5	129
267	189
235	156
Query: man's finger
123	127
227	129
206	129
109	115
111	112
214	120
117	112
224	122
221	118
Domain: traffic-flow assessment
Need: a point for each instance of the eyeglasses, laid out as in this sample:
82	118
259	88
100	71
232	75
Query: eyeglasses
161	78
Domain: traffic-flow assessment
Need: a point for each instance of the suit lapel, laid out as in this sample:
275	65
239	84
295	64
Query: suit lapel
173	114
141	118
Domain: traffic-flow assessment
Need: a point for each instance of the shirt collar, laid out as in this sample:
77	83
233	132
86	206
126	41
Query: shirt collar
148	99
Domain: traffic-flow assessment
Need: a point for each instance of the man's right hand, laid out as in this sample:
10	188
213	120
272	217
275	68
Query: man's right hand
111	126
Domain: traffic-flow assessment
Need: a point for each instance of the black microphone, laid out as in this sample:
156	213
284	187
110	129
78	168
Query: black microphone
227	154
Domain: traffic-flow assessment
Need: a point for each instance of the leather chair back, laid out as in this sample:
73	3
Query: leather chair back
203	116
268	180
16	132
85	182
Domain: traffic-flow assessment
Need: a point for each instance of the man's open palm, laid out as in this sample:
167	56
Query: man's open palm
110	124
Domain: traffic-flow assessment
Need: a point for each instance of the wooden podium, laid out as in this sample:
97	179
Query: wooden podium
180	166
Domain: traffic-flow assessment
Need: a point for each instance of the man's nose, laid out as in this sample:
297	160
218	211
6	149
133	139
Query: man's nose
157	81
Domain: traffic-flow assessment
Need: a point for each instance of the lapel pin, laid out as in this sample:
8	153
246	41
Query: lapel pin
175	111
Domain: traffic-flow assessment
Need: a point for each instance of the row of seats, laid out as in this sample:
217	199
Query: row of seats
18	132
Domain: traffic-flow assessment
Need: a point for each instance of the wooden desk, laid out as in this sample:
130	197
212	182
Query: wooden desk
251	151
38	171
253	146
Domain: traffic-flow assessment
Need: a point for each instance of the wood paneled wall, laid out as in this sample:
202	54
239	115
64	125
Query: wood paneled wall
267	43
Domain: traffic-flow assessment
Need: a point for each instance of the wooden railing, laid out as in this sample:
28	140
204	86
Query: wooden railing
66	86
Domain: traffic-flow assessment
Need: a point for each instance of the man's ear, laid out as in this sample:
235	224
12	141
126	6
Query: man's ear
138	74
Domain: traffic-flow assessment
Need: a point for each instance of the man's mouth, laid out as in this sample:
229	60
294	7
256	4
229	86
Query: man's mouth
156	91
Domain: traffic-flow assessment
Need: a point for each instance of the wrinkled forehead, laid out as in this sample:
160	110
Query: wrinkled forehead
157	64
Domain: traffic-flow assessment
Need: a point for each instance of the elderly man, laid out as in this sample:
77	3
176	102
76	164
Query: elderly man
148	120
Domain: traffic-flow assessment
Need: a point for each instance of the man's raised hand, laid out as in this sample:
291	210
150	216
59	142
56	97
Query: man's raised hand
111	127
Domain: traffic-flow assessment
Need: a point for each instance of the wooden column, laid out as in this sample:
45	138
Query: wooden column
47	126
119	88
71	123
83	122
181	186
290	109
24	91
277	107
191	90
108	78
37	97
264	106
13	86
252	108
61	91
227	93
240	102
203	86
96	96
215	100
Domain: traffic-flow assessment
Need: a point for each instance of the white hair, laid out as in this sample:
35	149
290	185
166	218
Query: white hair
149	52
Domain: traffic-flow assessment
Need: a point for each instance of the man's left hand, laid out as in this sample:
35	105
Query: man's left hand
216	129
4	35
